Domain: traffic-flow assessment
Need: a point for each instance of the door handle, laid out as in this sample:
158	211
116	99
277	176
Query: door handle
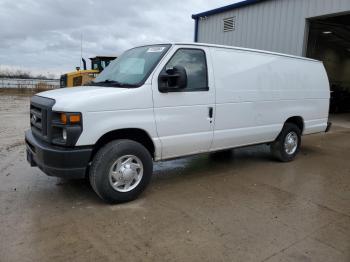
210	112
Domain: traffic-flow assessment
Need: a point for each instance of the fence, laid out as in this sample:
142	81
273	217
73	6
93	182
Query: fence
39	84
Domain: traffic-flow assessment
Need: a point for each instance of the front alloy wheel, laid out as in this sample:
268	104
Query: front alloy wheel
121	170
126	173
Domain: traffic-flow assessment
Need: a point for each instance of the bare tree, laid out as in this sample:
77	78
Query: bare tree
22	74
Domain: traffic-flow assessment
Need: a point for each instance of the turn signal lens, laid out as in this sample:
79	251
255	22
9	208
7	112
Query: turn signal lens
63	118
73	118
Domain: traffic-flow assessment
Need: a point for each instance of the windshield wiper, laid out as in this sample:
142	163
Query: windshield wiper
113	83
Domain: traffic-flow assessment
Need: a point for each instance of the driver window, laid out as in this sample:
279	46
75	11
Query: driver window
194	61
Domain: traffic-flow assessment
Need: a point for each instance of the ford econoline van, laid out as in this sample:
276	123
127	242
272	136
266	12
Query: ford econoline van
165	101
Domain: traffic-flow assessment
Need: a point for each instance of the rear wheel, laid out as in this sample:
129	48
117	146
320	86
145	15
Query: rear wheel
287	144
121	170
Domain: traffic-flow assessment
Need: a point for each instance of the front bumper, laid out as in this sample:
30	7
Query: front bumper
57	161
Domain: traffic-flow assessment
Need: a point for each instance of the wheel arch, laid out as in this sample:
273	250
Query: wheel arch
298	121
135	134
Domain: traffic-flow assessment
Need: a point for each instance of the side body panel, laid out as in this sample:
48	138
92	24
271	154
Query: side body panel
256	93
182	118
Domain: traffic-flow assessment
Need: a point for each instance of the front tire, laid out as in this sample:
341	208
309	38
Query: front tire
287	144
120	171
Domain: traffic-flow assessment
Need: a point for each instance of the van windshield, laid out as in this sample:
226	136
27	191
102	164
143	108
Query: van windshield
132	68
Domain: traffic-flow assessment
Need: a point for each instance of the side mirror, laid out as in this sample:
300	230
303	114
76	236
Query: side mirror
172	80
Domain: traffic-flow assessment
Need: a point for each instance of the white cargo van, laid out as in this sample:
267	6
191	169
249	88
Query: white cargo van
165	101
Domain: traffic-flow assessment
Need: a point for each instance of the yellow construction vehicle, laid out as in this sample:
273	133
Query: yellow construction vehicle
81	77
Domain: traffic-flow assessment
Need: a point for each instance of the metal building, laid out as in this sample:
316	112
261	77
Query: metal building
317	29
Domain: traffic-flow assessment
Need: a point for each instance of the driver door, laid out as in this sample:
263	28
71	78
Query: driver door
185	117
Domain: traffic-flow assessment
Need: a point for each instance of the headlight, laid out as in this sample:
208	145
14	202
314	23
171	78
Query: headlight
66	128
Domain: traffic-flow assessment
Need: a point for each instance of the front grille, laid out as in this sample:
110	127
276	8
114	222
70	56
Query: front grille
40	117
37	120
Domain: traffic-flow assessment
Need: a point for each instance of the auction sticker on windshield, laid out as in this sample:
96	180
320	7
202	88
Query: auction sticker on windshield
155	49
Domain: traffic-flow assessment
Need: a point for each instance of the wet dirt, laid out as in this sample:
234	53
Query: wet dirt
232	206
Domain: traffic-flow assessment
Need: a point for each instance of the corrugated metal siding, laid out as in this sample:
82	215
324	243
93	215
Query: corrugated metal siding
275	25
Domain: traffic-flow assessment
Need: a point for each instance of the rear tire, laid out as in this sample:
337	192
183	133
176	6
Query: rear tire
287	144
120	171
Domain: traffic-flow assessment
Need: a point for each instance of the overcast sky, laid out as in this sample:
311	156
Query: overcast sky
43	36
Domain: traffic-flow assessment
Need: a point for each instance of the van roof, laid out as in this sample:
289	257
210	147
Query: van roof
247	49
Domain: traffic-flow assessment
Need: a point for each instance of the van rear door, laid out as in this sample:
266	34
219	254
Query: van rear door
184	117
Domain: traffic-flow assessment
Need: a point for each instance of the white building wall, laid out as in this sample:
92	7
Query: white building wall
274	25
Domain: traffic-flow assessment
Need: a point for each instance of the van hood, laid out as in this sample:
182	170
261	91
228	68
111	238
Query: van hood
97	98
